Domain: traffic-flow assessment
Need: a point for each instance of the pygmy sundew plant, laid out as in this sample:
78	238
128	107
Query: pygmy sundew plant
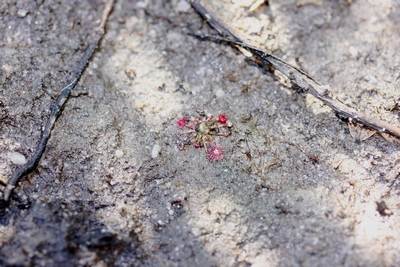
200	129
215	152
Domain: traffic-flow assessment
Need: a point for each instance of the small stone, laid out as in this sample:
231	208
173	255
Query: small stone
141	4
152	34
353	51
155	151
220	93
17	158
372	80
7	68
119	153
22	13
183	6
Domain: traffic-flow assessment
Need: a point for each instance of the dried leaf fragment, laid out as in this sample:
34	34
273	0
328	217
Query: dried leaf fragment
360	133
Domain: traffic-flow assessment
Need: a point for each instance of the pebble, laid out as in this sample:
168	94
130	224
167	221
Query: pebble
183	6
155	151
22	13
119	153
152	34
141	4
7	68
220	93
17	158
372	80
353	51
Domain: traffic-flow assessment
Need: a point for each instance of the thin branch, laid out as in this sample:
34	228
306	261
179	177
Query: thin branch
298	77
311	156
57	107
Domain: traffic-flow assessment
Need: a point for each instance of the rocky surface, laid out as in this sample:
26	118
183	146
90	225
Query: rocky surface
101	196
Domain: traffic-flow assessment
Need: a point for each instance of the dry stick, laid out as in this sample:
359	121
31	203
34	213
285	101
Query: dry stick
301	79
311	156
57	107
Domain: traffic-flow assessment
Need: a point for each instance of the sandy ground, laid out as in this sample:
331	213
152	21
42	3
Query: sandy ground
99	198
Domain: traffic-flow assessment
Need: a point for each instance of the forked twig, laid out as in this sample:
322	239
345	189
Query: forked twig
298	77
57	107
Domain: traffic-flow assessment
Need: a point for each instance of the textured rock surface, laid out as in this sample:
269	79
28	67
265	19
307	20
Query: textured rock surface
99	198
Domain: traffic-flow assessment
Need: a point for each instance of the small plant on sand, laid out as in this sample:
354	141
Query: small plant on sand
199	130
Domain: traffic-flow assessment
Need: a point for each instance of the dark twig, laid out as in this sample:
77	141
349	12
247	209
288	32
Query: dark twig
311	156
57	107
298	77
